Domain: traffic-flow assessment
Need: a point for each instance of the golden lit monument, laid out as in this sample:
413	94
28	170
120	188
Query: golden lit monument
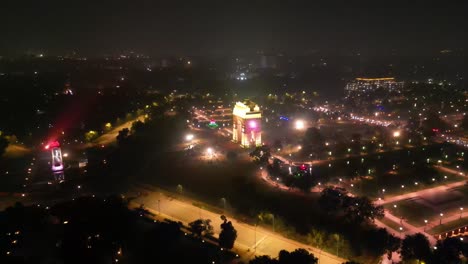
247	124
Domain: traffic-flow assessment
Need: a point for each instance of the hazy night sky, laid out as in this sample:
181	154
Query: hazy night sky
207	27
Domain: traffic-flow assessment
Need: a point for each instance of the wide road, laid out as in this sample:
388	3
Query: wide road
111	136
251	240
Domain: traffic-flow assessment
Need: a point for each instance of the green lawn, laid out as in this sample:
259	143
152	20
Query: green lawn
413	212
390	223
448	226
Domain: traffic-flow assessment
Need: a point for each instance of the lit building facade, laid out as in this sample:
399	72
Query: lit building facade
363	85
247	124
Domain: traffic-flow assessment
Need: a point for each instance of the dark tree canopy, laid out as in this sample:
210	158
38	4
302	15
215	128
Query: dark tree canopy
298	256
3	145
201	227
449	250
415	247
123	135
263	260
356	210
228	235
261	154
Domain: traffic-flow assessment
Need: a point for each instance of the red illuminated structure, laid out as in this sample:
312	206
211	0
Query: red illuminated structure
57	161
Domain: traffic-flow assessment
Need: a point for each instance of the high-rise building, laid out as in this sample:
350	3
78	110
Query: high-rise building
362	85
247	124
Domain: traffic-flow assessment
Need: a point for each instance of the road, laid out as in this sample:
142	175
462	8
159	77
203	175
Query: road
251	240
111	136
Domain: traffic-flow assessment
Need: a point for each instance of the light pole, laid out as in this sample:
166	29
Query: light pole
425	225
224	204
441	214
461	212
189	137
273	221
395	206
255	244
401	230
159	207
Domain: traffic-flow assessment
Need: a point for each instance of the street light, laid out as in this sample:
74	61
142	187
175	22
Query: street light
441	214
189	137
401	230
273	217
396	134
209	151
461	212
159	207
299	125
425	225
224	204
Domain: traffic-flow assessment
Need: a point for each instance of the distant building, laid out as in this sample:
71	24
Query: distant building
363	85
247	124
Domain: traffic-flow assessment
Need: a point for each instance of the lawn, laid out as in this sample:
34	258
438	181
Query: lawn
398	172
413	212
448	226
394	225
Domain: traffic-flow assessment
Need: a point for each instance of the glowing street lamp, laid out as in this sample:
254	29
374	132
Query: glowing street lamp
425	225
209	151
189	137
461	212
300	125
396	134
441	214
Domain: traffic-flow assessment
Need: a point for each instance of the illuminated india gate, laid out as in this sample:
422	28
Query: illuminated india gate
247	124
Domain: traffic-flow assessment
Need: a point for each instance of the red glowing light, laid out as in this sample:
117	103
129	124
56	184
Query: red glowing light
303	167
53	144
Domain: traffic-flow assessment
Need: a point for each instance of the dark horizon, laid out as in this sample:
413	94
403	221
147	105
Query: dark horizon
214	28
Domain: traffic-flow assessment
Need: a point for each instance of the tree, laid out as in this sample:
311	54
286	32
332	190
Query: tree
298	256
263	260
415	247
3	145
91	135
123	135
201	227
137	127
228	234
360	209
448	251
261	154
331	199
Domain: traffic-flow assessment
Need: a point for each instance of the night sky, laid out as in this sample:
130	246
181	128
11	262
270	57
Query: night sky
217	27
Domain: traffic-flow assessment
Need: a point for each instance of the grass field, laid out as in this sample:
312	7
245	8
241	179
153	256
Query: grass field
413	212
396	226
448	226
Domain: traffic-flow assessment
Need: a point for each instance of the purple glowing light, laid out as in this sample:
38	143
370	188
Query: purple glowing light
252	124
